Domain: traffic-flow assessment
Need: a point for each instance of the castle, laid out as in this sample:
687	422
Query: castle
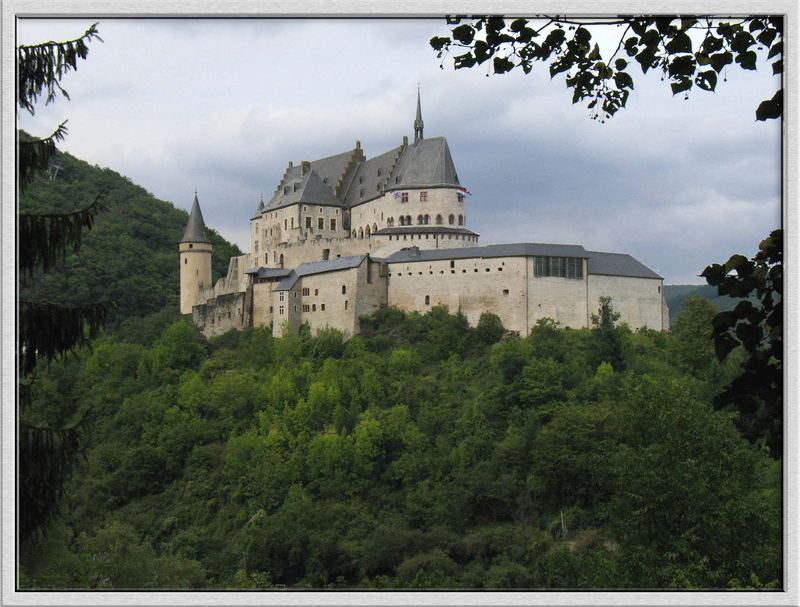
345	235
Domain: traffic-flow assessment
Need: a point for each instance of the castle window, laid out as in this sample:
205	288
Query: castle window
322	307
313	307
379	172
294	189
256	243
361	179
316	292
345	304
354	233
320	209
306	308
420	219
280	310
461	220
285	224
281	260
404	197
460	197
374	227
427	219
439	220
191	246
324	180
344	289
185	260
280	296
427	300
326	253
408	220
366	232
306	291
321	223
308	223
659	288
452	264
361	232
292	222
451	220
505	291
361	193
333	224
423	196
270	309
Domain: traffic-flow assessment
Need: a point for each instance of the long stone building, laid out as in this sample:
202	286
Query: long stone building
345	235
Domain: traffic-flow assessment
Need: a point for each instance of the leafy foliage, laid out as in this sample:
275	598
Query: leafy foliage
690	52
405	458
757	392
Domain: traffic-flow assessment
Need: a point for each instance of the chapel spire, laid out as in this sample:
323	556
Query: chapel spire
418	124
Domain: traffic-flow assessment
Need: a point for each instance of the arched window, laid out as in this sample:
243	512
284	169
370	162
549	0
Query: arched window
427	300
361	232
390	222
451	220
461	220
281	260
354	232
426	220
366	232
408	220
374	227
439	220
419	220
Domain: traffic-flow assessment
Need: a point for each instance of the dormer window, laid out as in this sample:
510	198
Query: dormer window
379	172
324	180
423	196
286	189
295	187
360	179
361	193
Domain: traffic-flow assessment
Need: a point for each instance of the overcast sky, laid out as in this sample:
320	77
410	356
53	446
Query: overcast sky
223	105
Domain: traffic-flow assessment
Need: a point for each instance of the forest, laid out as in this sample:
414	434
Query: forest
421	454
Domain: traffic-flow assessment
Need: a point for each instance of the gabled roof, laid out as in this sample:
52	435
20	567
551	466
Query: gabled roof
195	228
521	249
262	272
307	188
369	174
618	264
319	267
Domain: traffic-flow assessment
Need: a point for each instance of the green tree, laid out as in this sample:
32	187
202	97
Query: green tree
757	393
689	51
692	344
47	330
608	338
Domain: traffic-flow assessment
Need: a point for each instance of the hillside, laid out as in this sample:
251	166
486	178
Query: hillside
129	257
422	454
675	295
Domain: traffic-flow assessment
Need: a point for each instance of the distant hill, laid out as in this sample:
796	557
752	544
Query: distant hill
677	294
130	256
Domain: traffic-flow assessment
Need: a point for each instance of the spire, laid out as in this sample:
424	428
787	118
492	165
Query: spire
195	228
418	124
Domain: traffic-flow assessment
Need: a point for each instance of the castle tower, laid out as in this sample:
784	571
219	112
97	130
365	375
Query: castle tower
418	124
195	254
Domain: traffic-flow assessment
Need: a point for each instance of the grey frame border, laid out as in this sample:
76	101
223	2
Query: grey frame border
11	9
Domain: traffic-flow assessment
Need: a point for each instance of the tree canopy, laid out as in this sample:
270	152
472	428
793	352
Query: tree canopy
690	52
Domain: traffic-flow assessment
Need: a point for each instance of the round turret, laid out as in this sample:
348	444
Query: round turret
195	258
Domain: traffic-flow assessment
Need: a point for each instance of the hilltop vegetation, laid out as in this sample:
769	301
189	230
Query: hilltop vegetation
421	454
129	257
676	296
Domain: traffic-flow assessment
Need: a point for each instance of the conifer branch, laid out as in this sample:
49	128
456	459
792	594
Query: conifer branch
34	155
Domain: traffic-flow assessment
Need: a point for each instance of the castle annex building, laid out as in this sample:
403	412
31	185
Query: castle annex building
345	235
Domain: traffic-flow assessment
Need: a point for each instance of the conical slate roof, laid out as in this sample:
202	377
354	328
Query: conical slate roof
195	228
259	209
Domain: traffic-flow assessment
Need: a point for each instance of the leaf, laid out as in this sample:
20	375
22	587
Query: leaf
747	60
439	42
620	64
767	37
771	108
775	49
502	65
707	80
777	67
720	60
518	25
465	34
681	85
623	80
680	43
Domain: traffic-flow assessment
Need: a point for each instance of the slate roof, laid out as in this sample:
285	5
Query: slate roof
521	249
618	264
424	163
308	188
195	228
262	272
319	267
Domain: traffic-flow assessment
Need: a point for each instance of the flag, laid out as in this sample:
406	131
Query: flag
465	190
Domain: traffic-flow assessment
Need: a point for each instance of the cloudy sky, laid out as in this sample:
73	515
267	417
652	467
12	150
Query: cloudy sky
223	105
